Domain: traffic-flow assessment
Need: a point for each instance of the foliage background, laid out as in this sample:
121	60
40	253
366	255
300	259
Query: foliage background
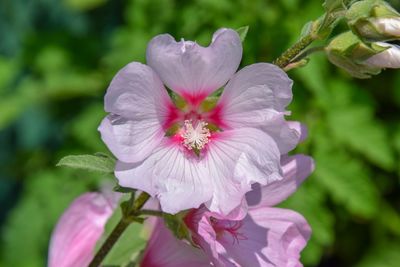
57	58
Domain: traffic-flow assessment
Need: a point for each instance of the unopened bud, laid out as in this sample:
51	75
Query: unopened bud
389	58
374	20
348	52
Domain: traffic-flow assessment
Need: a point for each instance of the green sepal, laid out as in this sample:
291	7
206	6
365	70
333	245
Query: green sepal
209	103
172	130
362	19
242	31
178	101
333	5
348	52
178	227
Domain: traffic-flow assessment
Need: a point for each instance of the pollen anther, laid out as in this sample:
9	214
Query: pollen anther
195	137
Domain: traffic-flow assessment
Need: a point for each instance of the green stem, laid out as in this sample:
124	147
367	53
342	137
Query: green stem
293	51
317	32
110	242
128	217
308	52
151	213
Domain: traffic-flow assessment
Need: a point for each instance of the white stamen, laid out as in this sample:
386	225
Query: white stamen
195	137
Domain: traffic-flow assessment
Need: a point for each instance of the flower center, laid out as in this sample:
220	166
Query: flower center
195	137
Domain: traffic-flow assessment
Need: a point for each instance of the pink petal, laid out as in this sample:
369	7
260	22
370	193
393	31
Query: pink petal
273	237
390	58
295	170
180	181
164	250
141	110
220	177
257	97
236	159
79	228
300	128
192	70
263	80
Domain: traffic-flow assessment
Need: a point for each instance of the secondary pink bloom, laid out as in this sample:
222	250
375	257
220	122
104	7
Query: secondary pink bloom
79	228
266	236
164	250
198	153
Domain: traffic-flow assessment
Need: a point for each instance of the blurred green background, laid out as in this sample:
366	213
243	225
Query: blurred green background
57	58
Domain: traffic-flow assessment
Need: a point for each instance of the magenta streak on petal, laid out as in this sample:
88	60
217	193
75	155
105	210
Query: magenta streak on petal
215	117
172	116
194	100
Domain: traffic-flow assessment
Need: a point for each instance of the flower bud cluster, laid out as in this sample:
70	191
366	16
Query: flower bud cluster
366	49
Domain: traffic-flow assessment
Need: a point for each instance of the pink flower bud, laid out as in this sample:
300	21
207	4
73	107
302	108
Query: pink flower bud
74	238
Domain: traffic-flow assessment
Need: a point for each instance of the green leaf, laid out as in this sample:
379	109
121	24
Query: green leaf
345	177
355	126
382	255
26	234
242	31
84	4
99	163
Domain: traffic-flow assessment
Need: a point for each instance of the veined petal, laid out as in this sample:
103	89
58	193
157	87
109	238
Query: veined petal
136	92
79	228
141	111
295	170
176	177
164	250
128	140
235	160
192	70
271	237
266	81
257	97
220	177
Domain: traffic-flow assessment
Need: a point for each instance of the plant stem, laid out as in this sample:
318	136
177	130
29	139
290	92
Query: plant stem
308	52
293	51
110	242
128	217
151	213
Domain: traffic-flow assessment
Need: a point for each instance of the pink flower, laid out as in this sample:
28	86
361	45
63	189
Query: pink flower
164	250
197	154
266	236
74	239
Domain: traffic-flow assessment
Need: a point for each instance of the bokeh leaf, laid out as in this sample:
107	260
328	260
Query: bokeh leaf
99	163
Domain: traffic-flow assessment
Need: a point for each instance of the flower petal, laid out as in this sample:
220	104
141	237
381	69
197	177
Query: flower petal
220	177
266	81
236	159
257	97
128	140
141	111
390	58
192	70
79	228
179	180
273	237
295	170
389	26
164	250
